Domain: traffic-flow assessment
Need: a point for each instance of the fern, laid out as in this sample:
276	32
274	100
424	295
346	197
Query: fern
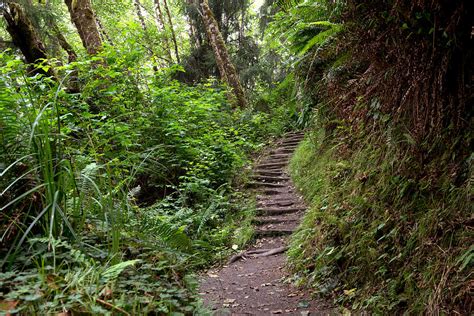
172	237
321	37
112	272
87	178
9	126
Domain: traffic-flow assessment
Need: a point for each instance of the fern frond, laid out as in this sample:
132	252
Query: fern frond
87	179
172	237
321	37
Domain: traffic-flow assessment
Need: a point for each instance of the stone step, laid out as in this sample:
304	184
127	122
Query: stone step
272	165
282	203
274	220
269	173
275	156
276	192
273	232
270	178
283	150
276	160
290	143
296	136
278	210
266	185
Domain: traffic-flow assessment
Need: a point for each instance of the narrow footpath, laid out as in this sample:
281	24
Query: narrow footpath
255	281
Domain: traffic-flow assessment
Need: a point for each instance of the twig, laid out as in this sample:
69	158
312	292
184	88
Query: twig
272	252
257	253
107	304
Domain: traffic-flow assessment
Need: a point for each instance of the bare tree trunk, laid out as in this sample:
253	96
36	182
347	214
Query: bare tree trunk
138	7
72	56
226	68
73	81
140	14
173	34
194	36
83	18
102	32
161	26
26	38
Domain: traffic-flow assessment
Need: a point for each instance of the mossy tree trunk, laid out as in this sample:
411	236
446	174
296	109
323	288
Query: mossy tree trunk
226	67
83	18
141	18
173	34
25	37
160	21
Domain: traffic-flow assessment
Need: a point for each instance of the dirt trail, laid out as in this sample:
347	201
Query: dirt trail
253	283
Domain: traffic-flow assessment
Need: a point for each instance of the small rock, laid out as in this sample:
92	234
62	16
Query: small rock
303	304
304	313
279	311
229	300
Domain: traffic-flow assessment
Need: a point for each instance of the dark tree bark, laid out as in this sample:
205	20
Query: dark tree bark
138	8
226	68
103	33
25	37
73	81
84	19
72	56
173	34
161	27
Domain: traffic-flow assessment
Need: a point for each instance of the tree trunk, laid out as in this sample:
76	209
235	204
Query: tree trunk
161	27
83	18
26	38
173	34
226	68
194	35
149	46
140	14
72	56
102	32
73	81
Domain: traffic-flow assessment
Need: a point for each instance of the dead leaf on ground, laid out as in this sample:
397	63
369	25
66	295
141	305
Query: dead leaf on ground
6	306
229	300
211	275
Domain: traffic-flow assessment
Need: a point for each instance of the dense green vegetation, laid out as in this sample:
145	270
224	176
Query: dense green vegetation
143	172
125	153
386	167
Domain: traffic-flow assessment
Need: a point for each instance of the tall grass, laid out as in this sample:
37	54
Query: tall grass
43	184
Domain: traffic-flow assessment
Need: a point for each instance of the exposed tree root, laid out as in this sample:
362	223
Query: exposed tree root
257	253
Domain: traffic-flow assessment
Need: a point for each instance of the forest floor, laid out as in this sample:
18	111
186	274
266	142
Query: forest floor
256	281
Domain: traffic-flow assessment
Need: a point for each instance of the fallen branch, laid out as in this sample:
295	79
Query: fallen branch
272	252
257	253
107	304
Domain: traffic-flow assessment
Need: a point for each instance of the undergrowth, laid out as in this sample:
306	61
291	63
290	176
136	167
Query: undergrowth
112	198
387	165
374	237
